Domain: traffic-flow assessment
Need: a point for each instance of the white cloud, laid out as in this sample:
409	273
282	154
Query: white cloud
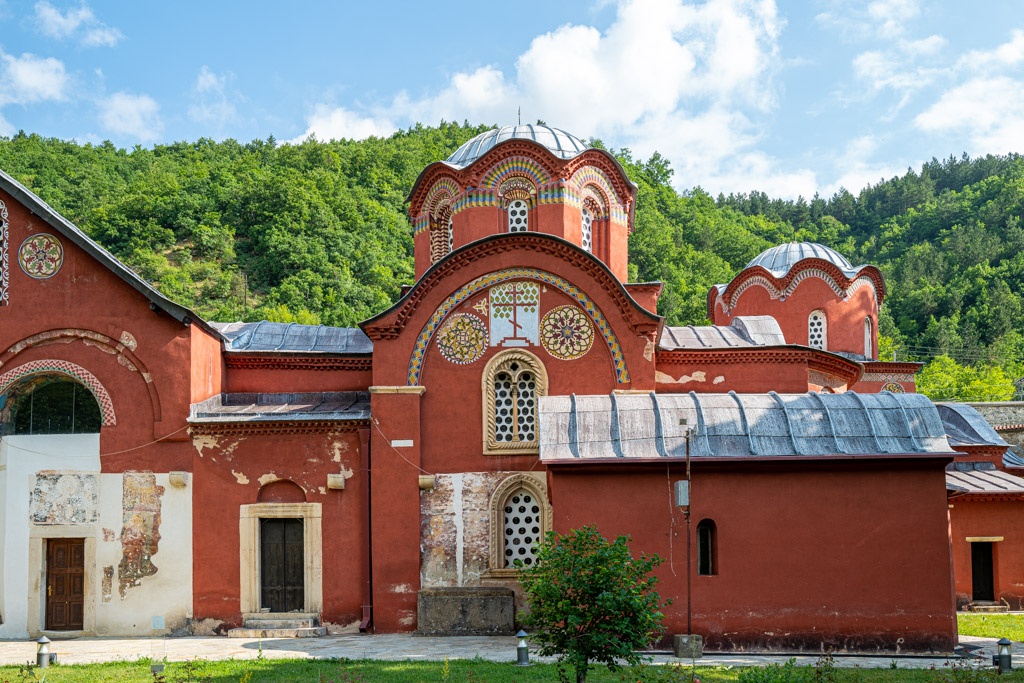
891	16
688	80
1010	53
856	169
56	24
987	111
134	116
335	124
28	78
212	102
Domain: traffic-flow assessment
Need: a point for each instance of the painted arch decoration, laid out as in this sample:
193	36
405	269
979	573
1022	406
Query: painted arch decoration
782	293
496	278
593	176
516	166
69	369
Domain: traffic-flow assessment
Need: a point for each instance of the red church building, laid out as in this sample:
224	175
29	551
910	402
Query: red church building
168	474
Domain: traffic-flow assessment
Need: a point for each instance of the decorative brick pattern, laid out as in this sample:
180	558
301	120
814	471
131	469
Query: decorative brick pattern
498	277
887	377
5	237
781	294
73	371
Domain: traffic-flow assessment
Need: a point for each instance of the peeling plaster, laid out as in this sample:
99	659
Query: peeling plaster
206	627
140	535
64	498
460	523
240	478
347	472
267	478
341	629
662	378
401	588
108	535
649	350
407	618
231	447
322	490
719	379
107	584
129	340
339	447
201	441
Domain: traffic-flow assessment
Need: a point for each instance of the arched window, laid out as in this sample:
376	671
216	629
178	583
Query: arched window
451	235
511	383
817	332
441	232
707	548
868	346
49	404
518	216
587	224
520	516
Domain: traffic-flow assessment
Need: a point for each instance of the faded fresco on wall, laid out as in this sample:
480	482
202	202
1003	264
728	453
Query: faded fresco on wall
64	498
140	533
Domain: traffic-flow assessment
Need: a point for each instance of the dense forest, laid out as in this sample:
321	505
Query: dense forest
318	233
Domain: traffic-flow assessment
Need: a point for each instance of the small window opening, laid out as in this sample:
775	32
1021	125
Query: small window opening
816	331
518	216
707	548
588	230
53	405
522	528
451	235
867	338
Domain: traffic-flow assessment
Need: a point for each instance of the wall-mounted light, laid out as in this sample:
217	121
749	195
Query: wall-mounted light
178	479
336	481
427	482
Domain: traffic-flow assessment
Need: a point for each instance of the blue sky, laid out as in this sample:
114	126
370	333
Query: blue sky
789	98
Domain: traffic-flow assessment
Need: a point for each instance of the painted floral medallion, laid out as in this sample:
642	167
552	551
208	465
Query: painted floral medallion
463	338
893	387
40	256
566	332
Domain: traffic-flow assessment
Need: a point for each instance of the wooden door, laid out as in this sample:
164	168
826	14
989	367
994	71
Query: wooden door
981	571
282	565
65	584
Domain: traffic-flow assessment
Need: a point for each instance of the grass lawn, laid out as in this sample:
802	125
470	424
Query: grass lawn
991	625
463	671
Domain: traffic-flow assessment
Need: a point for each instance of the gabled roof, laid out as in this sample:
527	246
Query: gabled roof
67	229
746	331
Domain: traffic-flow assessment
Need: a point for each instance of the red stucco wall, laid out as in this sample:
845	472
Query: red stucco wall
976	518
850	556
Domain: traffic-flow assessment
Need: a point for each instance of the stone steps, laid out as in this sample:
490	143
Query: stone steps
278	625
989	607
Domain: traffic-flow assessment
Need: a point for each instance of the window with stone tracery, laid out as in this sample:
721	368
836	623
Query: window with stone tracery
518	216
587	224
816	331
520	516
512	382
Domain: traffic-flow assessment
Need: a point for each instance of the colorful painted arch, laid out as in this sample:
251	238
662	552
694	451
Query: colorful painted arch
497	277
69	369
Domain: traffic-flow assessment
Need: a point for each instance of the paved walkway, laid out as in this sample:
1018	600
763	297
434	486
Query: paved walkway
403	647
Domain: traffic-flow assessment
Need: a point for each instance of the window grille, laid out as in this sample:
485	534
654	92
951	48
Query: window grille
511	383
451	236
522	526
816	332
517	216
52	405
588	230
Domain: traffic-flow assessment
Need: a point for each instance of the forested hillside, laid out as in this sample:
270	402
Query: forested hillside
318	232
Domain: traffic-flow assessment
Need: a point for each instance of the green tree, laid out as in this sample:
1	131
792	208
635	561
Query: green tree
591	601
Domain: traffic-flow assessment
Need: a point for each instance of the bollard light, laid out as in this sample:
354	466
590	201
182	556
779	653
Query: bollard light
43	652
522	653
1005	656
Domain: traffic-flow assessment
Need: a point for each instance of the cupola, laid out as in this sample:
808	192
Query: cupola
521	180
818	298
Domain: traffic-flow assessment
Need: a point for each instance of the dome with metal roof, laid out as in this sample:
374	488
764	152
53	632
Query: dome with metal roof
563	145
778	260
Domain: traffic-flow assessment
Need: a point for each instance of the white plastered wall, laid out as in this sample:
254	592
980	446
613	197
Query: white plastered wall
165	593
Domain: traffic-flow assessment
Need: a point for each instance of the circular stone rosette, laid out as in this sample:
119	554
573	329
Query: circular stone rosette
40	256
566	332
894	388
463	338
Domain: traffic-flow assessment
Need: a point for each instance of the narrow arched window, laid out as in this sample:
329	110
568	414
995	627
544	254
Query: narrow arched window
707	548
816	331
50	404
518	216
451	235
867	339
522	528
512	382
587	225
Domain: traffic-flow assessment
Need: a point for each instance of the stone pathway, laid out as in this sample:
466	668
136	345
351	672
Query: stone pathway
403	647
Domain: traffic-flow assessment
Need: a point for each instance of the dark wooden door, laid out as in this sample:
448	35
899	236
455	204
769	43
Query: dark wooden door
65	584
282	564
981	571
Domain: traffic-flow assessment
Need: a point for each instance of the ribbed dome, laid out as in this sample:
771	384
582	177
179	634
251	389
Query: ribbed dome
557	141
778	260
